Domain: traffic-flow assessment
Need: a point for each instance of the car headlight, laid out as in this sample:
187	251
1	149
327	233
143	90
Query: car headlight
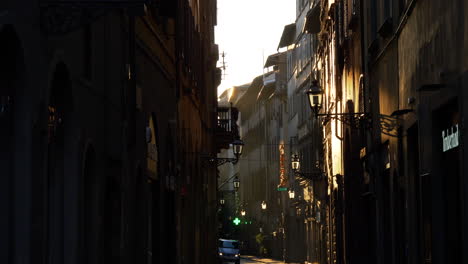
220	253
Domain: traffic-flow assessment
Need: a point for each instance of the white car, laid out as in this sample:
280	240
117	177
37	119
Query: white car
228	251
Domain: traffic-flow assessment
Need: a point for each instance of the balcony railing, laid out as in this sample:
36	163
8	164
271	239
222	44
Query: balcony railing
226	129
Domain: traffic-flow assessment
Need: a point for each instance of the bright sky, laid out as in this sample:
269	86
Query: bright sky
249	31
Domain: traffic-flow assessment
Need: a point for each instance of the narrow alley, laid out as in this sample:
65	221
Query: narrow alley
233	131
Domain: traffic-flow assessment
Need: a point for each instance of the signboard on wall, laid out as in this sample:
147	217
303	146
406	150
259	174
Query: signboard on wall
450	138
282	169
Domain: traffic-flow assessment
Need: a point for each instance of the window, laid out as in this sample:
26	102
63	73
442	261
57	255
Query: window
228	244
303	53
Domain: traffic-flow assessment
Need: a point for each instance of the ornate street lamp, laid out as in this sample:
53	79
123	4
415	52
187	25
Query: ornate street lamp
315	96
236	183
237	147
291	194
316	174
264	205
387	123
295	162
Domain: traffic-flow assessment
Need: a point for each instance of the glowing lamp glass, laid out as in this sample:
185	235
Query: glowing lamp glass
295	162
236	183
237	147
315	96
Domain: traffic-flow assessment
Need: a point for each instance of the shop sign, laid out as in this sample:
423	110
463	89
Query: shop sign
450	138
282	169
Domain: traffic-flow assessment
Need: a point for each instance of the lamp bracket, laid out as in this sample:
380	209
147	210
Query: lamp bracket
220	161
388	124
312	176
355	120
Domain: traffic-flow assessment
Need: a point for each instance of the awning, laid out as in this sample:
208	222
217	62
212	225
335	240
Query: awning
268	86
249	97
312	23
273	60
266	92
287	38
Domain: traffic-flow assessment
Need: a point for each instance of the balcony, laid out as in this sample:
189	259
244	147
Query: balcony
226	128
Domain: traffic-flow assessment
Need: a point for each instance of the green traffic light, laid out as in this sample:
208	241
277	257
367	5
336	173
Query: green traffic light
236	221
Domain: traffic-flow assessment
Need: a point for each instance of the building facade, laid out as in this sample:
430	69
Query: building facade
262	168
231	207
103	150
391	128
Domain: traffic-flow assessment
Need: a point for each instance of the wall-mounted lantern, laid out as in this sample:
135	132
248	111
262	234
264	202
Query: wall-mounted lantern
236	183
387	123
317	174
237	147
315	96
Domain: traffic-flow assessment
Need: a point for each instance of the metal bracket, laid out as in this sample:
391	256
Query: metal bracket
312	176
355	120
220	161
388	123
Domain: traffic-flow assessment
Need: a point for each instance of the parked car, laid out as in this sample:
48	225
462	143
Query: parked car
228	251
